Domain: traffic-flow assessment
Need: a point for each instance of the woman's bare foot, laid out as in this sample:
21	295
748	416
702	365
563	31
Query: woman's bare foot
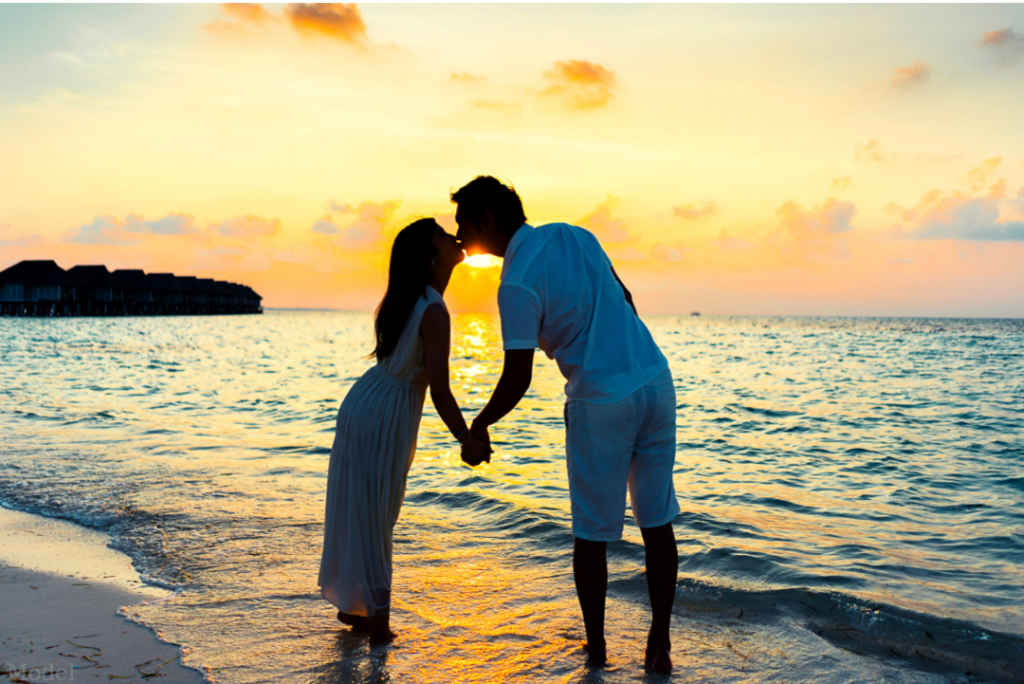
597	654
657	657
358	622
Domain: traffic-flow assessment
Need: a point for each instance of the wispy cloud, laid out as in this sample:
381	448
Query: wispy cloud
872	150
109	230
17	241
600	222
248	227
326	226
242	17
731	243
906	77
675	252
692	212
1006	43
831	217
840	184
813	235
367	231
246	11
337	21
979	177
580	84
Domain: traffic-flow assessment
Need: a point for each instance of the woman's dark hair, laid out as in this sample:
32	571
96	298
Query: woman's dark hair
408	275
487	193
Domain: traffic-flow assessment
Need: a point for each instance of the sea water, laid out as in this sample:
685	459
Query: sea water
852	496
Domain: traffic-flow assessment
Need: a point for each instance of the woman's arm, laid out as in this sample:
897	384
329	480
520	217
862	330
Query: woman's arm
435	329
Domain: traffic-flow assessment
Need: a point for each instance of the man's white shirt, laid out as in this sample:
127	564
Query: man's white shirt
558	293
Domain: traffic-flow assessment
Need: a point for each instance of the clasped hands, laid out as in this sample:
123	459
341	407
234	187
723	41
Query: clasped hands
476	446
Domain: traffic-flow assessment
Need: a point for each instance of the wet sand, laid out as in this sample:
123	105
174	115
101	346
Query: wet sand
61	590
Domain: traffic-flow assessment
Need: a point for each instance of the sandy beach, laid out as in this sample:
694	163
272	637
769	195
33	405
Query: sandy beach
61	590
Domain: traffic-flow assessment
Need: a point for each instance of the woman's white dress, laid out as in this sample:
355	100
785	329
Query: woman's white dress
373	449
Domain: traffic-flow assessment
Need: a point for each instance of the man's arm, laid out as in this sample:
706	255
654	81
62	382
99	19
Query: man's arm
516	376
629	297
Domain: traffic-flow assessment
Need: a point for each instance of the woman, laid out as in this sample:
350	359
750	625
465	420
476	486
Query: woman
377	424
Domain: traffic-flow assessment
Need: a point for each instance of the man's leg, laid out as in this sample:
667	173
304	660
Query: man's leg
590	570
662	571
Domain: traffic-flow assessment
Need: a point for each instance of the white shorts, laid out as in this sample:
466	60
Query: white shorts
609	447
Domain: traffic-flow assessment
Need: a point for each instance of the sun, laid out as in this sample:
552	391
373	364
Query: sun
483	261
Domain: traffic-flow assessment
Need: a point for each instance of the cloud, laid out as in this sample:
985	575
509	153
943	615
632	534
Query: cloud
367	231
831	217
243	15
978	178
1006	43
338	21
816	235
466	77
729	243
326	226
19	241
172	224
840	184
109	230
692	212
600	223
957	216
580	84
675	252
248	227
245	11
871	151
908	76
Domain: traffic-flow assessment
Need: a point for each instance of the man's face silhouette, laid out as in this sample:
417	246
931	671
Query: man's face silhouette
471	234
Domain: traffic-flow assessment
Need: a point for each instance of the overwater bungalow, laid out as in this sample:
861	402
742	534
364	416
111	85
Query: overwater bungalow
42	288
32	287
94	290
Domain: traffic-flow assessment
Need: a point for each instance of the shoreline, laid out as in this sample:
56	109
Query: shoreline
62	590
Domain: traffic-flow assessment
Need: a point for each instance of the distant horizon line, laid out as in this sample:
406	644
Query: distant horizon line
701	314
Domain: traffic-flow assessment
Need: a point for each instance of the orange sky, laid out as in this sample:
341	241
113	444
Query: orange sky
847	160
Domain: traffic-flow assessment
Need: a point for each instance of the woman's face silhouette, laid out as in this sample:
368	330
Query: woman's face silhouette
449	253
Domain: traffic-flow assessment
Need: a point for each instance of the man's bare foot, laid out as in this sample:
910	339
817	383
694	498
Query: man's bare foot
379	638
380	630
657	657
597	655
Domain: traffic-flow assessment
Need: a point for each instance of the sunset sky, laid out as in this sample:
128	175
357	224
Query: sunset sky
733	159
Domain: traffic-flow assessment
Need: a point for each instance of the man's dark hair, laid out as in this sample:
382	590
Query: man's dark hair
487	193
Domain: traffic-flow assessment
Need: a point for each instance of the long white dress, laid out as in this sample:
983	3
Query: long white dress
373	449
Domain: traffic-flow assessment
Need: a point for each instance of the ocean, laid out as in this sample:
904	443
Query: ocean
852	494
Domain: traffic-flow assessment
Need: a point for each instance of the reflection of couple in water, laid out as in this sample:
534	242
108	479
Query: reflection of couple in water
558	293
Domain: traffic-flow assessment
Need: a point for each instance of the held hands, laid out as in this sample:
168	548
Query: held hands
474	451
476	446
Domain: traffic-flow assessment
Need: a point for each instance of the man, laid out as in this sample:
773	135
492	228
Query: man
560	293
